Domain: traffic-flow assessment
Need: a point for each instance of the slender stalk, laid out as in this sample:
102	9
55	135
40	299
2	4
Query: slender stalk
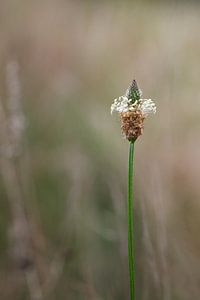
130	220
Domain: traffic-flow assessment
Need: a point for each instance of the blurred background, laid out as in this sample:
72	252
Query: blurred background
63	161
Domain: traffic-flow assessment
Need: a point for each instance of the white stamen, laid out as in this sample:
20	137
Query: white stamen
123	104
147	106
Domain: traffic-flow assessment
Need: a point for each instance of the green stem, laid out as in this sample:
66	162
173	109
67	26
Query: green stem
130	220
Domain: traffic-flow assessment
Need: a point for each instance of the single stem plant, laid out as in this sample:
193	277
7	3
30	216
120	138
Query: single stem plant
133	110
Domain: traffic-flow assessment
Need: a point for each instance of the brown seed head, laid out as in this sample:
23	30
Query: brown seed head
132	124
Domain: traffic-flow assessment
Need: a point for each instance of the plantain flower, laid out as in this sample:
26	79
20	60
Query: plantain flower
133	110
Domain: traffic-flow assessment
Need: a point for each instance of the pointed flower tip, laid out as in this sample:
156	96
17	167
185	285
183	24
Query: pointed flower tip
133	92
134	84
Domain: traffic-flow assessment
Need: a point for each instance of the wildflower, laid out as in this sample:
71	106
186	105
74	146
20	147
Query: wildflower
133	110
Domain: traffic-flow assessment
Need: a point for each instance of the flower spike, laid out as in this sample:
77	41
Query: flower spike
133	110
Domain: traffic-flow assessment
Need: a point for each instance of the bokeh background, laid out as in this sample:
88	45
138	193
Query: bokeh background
63	160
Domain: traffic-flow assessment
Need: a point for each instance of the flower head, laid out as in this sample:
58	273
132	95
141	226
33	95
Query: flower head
133	110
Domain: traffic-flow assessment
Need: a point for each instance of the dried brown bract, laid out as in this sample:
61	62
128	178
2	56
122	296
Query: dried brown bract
132	124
